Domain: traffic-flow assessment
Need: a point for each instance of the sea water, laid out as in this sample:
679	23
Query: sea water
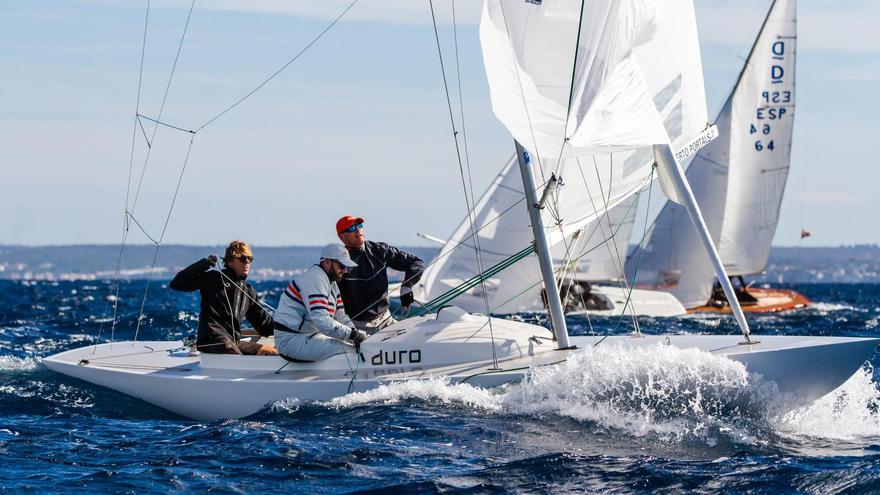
654	419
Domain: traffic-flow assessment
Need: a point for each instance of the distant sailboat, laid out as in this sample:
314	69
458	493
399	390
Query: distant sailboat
738	181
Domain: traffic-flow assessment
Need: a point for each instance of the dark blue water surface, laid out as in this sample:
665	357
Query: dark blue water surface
562	432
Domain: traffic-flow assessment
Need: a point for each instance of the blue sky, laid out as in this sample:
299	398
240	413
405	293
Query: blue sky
357	125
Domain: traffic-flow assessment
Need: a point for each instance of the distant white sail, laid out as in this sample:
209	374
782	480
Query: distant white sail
738	179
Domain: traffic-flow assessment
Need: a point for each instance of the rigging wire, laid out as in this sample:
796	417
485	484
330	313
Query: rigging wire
635	319
130	205
283	67
162	106
146	162
641	250
467	201
114	288
162	235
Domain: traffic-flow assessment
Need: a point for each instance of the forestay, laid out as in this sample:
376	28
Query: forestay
738	179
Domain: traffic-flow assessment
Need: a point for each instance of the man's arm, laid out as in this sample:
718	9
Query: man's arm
259	317
411	265
412	268
316	299
192	277
341	316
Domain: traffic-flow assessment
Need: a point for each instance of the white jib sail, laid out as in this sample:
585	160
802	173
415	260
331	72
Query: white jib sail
738	179
504	229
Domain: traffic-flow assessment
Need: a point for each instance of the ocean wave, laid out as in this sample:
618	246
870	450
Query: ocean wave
12	363
432	389
825	308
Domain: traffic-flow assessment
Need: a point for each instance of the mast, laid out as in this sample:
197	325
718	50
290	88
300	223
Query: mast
664	156
542	248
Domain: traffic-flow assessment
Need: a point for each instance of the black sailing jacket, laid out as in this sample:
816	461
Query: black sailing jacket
224	306
365	288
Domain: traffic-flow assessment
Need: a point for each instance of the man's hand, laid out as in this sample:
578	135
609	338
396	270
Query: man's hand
212	259
357	336
406	299
267	350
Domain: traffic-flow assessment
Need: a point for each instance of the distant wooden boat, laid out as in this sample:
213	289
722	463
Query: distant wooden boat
756	300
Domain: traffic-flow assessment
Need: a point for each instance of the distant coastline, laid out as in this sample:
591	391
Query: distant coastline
843	264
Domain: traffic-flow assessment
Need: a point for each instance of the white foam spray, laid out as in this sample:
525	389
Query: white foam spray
852	412
13	363
432	389
664	391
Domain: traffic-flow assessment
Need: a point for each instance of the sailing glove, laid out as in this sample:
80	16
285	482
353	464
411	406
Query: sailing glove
406	297
212	259
357	336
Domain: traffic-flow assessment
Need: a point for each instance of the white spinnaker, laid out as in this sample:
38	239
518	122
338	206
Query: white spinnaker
633	58
738	179
528	51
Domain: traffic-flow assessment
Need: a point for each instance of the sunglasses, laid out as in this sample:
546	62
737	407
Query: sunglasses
343	267
244	259
354	227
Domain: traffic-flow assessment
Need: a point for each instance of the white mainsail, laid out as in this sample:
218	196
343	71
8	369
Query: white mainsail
738	180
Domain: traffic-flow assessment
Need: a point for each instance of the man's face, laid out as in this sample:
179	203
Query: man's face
240	264
353	237
335	270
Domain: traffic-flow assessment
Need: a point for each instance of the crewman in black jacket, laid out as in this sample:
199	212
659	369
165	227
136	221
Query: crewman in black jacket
226	300
365	288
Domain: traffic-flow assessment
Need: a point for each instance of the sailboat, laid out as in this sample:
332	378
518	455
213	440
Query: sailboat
568	75
590	263
739	181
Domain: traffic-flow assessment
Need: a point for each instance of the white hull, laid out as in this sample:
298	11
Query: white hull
455	346
643	302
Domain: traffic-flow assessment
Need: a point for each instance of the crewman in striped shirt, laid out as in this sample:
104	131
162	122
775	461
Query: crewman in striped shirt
310	322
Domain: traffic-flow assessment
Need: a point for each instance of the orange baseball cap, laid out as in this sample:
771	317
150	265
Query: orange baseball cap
346	222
